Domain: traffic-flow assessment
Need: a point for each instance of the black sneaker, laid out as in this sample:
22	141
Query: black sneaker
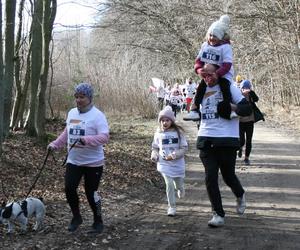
75	222
97	228
240	153
247	162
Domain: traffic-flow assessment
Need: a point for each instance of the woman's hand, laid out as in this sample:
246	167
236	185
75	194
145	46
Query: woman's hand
245	92
82	141
50	147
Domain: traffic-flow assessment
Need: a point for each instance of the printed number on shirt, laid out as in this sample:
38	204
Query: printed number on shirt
210	57
210	116
76	131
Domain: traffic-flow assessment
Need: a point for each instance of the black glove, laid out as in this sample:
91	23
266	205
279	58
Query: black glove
224	109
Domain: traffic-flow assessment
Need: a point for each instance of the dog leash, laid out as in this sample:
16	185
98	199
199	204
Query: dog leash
72	146
39	173
44	164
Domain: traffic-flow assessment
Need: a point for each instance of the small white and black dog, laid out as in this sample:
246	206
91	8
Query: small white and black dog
21	211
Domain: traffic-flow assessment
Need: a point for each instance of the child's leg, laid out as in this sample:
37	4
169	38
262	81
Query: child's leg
178	182
179	186
170	190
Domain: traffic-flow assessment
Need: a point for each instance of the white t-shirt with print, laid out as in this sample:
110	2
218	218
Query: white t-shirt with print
168	142
217	55
190	90
176	100
92	122
212	125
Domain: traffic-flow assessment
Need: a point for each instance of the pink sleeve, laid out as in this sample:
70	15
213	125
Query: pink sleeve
61	140
224	69
96	140
198	65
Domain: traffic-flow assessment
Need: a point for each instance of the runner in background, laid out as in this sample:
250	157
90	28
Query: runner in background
238	80
247	122
189	91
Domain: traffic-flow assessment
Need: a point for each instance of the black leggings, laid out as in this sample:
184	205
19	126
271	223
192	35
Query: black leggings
222	158
92	177
175	109
246	130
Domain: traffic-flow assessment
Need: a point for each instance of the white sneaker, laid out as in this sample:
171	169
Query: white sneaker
233	115
241	204
181	193
216	221
171	211
192	116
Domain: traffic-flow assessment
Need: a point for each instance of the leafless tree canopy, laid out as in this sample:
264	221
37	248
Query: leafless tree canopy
135	40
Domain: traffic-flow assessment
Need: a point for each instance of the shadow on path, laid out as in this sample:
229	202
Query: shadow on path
272	217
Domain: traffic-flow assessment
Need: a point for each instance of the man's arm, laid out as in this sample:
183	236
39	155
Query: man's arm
243	108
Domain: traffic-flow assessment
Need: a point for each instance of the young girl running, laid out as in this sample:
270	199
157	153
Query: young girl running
168	148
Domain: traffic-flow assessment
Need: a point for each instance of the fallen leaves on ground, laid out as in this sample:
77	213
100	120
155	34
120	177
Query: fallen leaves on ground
130	183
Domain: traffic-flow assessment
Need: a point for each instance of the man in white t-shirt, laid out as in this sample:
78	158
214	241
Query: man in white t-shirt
218	138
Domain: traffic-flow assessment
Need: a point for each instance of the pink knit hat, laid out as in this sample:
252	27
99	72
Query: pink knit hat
168	113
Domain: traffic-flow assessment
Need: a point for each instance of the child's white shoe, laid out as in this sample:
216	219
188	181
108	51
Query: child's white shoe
171	211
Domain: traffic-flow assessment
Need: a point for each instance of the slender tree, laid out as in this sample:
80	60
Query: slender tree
10	9
18	81
1	81
35	65
49	12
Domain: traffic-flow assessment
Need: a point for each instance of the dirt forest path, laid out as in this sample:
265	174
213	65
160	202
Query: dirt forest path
272	217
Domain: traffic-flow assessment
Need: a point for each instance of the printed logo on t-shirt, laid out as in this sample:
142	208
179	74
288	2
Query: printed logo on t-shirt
190	90
209	105
169	141
175	100
208	94
168	145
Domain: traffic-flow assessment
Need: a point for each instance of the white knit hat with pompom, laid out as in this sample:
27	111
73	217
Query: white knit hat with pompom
220	28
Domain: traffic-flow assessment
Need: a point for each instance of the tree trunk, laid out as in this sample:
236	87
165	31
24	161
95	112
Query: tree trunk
20	117
51	84
18	80
49	12
10	10
1	82
36	62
